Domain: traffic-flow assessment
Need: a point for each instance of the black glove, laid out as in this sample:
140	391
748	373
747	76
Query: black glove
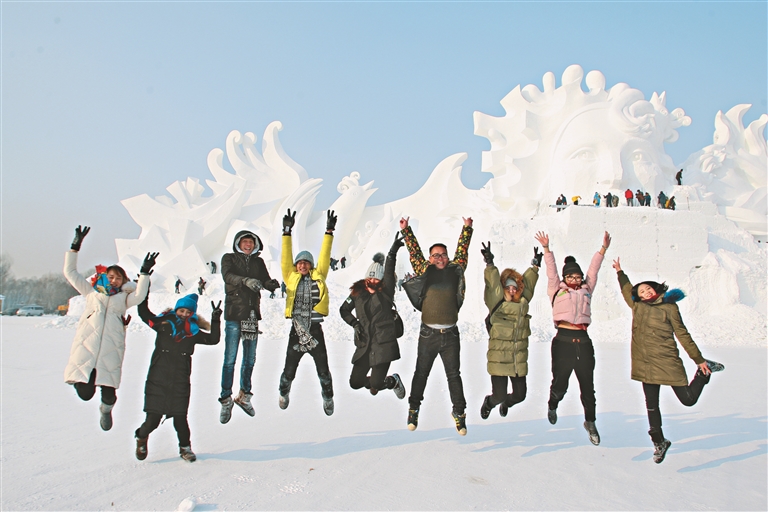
149	262
252	283
397	244
330	222
359	331
487	254
80	233
272	285
288	221
537	257
216	312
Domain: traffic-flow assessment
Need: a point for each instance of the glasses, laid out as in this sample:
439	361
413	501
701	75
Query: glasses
439	255
573	278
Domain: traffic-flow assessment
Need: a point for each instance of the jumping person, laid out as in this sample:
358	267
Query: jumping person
167	390
438	292
572	349
507	297
96	357
656	360
306	305
372	301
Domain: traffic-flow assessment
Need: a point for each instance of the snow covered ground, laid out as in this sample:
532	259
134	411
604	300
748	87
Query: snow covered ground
55	457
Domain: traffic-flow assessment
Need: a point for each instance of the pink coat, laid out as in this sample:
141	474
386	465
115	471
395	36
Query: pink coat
570	305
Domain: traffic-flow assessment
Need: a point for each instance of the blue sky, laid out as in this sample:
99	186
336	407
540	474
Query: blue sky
105	101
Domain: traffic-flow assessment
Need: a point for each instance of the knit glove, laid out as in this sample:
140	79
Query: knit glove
149	262
536	261
216	312
288	221
80	233
330	222
252	283
487	254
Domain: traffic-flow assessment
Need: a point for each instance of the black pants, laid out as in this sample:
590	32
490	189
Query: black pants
688	395
572	351
446	343
499	393
378	379
86	390
319	354
153	421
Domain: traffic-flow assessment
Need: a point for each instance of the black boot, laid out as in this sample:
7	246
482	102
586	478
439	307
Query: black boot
486	408
660	445
141	446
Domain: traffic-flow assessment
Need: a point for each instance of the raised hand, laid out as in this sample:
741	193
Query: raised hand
330	221
149	262
543	239
216	312
467	221
252	283
537	257
398	243
606	240
404	222
617	264
487	254
80	233
288	221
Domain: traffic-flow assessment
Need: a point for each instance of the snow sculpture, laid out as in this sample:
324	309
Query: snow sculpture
565	140
733	170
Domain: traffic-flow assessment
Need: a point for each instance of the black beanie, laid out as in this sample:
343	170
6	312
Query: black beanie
571	267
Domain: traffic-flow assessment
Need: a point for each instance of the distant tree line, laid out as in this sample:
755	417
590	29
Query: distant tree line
49	291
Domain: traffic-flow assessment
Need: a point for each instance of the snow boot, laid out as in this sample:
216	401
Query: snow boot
552	416
106	416
226	409
714	366
328	406
399	388
186	453
591	429
413	419
243	399
141	446
660	445
284	400
486	408
503	409
461	423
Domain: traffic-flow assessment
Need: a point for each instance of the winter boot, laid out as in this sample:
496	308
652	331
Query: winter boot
284	400
461	423
399	388
591	429
141	446
660	445
106	416
714	366
186	453
486	408
374	391
226	409
243	399
328	406
413	419
503	409
552	416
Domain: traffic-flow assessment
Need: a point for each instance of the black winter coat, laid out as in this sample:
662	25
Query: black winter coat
167	388
235	267
374	312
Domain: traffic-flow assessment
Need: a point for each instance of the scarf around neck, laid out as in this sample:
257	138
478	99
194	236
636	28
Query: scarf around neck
100	282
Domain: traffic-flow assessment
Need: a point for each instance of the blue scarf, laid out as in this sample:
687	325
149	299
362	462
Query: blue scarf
181	328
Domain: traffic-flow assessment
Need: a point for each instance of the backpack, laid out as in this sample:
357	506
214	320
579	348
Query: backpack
488	318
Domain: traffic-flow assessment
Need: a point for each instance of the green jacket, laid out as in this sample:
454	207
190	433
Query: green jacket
655	357
510	324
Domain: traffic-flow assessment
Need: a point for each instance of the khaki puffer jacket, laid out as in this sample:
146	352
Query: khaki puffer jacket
510	323
655	357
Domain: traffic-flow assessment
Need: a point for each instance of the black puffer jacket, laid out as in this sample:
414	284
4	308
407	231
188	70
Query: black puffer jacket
235	268
167	388
374	312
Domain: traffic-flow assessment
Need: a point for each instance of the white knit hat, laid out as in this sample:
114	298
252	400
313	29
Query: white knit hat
376	270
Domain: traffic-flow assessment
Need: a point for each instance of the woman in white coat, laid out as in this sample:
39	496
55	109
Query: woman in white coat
96	357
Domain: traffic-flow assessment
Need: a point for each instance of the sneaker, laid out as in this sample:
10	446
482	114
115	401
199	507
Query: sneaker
328	406
284	400
105	421
243	399
503	409
714	366
552	416
485	409
594	437
660	450
226	409
186	453
461	423
141	446
399	388
413	419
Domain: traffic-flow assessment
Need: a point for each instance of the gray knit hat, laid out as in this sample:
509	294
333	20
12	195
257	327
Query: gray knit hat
376	270
305	256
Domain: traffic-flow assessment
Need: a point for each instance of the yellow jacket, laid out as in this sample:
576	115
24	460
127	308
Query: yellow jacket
291	276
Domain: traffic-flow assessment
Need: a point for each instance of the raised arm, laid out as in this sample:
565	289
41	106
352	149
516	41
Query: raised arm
389	266
553	280
461	257
624	284
286	256
142	287
213	337
493	292
147	316
530	278
418	263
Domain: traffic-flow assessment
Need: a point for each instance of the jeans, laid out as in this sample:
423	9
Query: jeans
434	342
319	354
231	343
572	351
688	396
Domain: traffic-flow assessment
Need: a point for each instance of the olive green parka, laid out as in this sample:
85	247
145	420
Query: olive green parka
655	356
510	323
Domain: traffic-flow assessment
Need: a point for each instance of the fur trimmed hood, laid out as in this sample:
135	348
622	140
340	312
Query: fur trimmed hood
510	273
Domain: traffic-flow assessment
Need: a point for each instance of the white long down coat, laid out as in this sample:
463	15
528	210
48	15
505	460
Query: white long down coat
100	339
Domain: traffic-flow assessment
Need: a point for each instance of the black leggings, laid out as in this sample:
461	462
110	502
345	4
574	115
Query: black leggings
153	421
688	396
378	379
499	386
86	390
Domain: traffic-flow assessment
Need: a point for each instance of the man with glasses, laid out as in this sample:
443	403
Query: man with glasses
438	292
